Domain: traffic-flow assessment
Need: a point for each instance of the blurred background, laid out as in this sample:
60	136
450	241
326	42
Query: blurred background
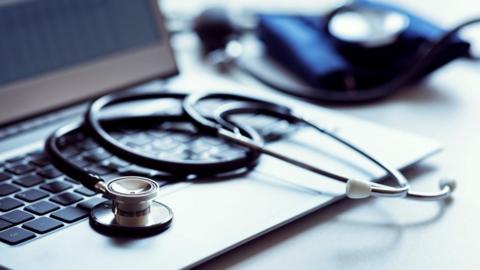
395	234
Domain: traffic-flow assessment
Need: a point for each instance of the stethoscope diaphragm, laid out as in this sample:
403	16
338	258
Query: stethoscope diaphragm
133	210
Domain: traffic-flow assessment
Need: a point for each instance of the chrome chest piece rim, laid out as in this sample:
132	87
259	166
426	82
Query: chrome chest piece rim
368	27
132	211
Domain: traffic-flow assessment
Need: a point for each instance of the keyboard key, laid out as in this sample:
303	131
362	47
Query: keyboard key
198	147
87	144
66	198
15	159
70	214
16	217
37	153
5	224
40	161
182	137
139	139
42	208
49	172
6	189
159	133
71	180
116	163
76	137
56	187
21	169
29	180
85	191
42	225
31	195
96	156
15	236
80	162
164	144
100	169
4	176
231	153
7	204
88	205
70	151
211	140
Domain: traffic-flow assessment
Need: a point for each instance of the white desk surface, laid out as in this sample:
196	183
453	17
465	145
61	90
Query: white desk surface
386	233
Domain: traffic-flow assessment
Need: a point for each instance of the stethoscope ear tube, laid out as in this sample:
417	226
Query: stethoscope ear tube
355	189
210	125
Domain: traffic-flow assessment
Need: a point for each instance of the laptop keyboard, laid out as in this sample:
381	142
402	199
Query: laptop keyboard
36	199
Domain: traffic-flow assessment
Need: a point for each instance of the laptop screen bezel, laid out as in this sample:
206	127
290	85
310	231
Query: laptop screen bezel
46	92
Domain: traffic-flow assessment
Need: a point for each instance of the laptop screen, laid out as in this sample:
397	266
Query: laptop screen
71	50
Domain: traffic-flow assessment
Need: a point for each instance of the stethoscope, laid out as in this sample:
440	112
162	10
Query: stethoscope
133	209
351	26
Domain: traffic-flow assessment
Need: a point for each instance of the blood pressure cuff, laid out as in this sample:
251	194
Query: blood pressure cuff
301	45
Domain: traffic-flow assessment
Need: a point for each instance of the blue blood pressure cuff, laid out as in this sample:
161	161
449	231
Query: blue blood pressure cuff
303	46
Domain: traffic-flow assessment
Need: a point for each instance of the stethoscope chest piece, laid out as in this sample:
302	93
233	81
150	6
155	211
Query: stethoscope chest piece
132	210
367	27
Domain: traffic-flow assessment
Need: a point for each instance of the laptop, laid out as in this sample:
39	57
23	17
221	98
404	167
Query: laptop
57	55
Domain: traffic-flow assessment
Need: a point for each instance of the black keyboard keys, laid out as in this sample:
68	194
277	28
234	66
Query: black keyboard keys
56	187
42	208
31	195
100	169
21	169
5	224
16	217
116	164
42	225
15	236
49	172
71	180
85	191
87	144
70	214
88	205
6	189
80	162
15	159
40	161
70	151
7	204
37	153
96	156
4	176
136	140
66	198
29	180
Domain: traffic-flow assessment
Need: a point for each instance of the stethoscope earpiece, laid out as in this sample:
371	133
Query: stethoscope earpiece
361	189
358	189
448	182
